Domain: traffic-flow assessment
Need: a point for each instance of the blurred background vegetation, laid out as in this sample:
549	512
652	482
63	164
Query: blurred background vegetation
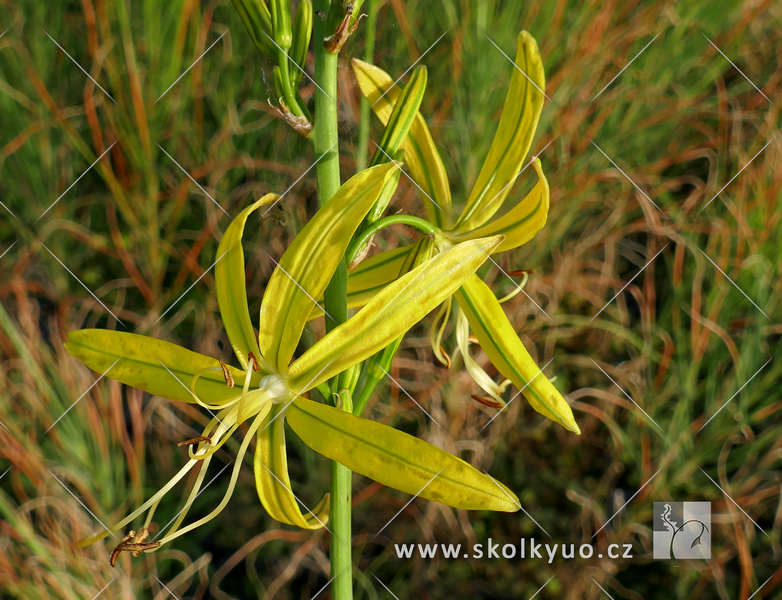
675	160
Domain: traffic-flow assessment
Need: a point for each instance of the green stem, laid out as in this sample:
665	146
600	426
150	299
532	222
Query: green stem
369	56
340	521
371	229
324	141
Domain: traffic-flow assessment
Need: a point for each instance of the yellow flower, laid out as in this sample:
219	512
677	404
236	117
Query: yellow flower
477	308
269	386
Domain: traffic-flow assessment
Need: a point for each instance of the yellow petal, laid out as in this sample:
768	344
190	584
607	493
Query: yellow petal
506	352
390	313
522	222
306	268
231	288
274	484
155	366
513	139
421	156
396	459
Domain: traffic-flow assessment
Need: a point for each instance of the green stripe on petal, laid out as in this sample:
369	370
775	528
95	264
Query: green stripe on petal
274	484
397	459
402	116
506	352
390	313
140	363
522	222
306	268
231	288
421	156
513	139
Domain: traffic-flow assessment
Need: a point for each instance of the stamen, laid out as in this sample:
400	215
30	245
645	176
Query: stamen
229	379
195	440
446	357
520	272
477	373
245	390
524	274
256	424
134	543
486	401
152	502
436	333
201	403
252	360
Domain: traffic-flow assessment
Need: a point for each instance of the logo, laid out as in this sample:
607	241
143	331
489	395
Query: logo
682	530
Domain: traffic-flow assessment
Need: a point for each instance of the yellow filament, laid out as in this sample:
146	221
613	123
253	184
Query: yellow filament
438	329
198	400
480	376
519	287
256	424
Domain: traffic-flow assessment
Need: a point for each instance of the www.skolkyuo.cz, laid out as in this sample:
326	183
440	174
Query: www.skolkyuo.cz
526	549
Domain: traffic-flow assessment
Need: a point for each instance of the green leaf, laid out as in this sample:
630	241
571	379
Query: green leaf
140	363
231	288
306	268
506	352
390	313
421	156
396	459
513	139
522	222
273	482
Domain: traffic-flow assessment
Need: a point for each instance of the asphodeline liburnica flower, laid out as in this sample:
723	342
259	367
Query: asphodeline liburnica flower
478	310
269	386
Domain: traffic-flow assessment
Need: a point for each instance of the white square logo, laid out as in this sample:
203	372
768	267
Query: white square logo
682	530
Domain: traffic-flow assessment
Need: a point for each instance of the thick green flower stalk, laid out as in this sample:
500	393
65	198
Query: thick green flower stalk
269	387
478	310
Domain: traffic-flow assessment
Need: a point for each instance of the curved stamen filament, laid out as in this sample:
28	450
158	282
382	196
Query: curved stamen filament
519	287
198	400
153	501
480	376
436	333
245	393
256	424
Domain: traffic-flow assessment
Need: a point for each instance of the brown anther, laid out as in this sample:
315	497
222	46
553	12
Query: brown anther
520	272
252	360
229	379
487	401
195	440
134	543
472	339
